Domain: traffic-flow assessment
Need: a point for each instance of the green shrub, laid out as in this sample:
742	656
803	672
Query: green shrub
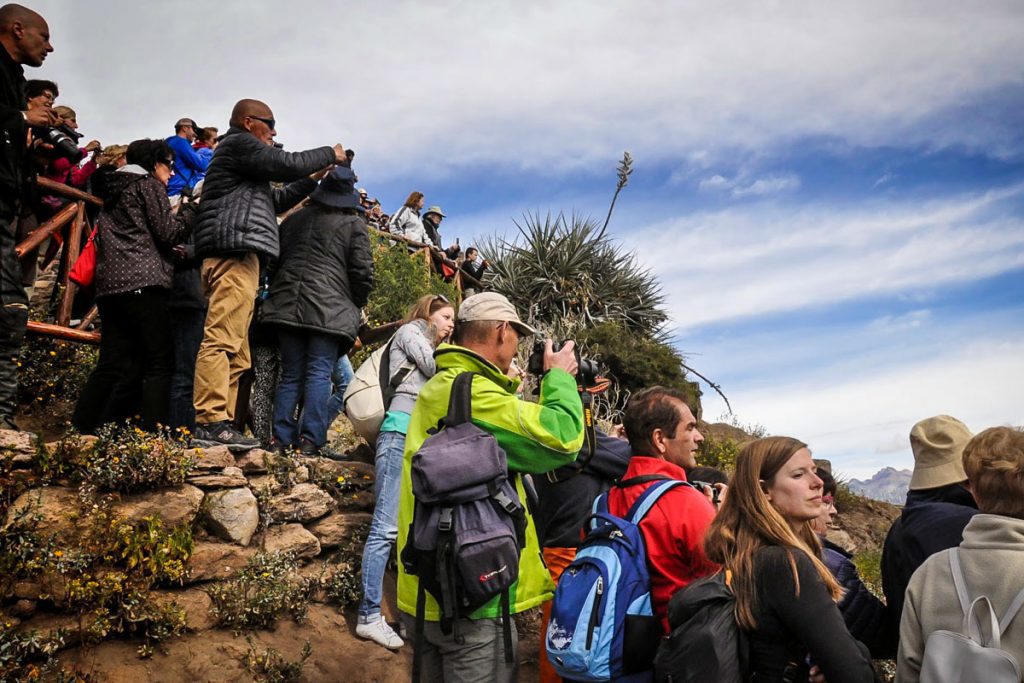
23	551
28	656
718	453
269	666
128	460
152	551
399	279
343	584
266	589
53	370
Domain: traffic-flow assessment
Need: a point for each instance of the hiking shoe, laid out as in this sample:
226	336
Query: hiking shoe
308	449
380	633
223	434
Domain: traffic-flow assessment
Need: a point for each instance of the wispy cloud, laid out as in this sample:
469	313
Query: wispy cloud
762	258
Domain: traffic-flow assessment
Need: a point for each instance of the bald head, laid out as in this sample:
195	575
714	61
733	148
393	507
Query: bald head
24	34
244	108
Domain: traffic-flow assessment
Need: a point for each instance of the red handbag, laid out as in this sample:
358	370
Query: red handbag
84	271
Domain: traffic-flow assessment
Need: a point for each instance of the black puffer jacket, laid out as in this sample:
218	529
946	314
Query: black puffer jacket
325	272
136	233
239	210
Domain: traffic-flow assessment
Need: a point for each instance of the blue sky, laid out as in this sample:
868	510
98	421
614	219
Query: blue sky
832	194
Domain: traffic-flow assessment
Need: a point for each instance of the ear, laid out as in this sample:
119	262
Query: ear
658	441
765	489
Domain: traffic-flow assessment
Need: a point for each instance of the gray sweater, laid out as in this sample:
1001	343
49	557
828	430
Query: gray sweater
411	346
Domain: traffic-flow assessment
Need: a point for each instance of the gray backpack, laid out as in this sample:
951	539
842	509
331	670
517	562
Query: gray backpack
468	526
968	657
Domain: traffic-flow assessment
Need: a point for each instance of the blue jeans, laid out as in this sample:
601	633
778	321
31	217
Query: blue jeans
384	527
306	362
341	376
187	325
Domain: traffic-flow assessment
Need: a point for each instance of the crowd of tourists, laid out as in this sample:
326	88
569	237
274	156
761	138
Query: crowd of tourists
230	276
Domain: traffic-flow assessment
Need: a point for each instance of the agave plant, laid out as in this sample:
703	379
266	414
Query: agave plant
565	274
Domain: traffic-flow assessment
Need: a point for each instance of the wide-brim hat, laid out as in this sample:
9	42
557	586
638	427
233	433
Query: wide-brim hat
338	189
435	209
493	306
938	445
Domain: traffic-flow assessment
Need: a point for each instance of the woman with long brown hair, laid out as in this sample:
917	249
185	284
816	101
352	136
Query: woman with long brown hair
785	596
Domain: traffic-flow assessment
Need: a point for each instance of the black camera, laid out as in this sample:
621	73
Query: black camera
703	486
586	372
64	140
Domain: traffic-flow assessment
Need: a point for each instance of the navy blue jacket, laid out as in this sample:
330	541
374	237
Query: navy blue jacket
932	520
865	615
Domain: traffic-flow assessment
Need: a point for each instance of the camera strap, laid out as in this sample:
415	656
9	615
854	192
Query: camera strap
569	471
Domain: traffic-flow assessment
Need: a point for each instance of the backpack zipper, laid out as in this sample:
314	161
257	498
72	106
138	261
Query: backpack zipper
594	612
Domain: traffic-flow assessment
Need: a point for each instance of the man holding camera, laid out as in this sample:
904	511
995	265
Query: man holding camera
536	437
24	40
237	230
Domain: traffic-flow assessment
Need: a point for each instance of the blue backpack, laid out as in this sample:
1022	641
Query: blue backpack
602	627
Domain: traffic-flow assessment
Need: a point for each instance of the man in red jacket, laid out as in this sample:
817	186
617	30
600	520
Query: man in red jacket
662	432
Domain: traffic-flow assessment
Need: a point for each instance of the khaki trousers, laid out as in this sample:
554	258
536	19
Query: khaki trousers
230	284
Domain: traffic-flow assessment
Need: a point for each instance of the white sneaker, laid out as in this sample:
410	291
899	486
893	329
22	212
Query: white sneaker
380	633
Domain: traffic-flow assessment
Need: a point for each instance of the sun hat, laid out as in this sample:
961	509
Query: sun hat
938	445
338	189
435	209
493	306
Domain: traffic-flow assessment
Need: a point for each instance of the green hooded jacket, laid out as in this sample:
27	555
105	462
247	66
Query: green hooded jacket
536	437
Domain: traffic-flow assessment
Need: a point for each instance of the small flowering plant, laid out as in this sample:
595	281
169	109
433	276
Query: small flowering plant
128	459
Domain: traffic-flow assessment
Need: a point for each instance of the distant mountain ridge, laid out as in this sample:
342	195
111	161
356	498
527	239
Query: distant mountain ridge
889	485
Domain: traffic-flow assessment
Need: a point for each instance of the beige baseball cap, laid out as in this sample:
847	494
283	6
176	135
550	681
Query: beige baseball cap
493	306
938	445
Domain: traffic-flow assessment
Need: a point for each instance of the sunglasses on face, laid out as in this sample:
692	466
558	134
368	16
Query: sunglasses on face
270	123
828	500
169	163
441	297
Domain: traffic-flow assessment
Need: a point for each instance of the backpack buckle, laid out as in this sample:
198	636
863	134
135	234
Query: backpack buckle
444	523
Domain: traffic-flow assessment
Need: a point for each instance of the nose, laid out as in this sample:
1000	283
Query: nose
697	436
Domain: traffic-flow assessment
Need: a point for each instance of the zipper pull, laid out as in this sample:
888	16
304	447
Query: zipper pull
600	585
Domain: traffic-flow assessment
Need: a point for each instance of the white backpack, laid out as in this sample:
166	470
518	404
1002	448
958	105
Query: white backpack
968	657
365	401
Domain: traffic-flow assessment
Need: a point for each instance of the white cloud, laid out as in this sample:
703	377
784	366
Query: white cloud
714	183
760	259
768	185
418	88
861	421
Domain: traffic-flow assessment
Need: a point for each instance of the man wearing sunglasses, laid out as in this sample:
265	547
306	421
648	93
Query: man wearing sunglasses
189	166
235	233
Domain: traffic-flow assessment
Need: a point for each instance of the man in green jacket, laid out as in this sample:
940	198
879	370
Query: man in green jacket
536	437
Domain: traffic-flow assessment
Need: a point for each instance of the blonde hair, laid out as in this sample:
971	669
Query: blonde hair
748	521
994	462
65	113
426	306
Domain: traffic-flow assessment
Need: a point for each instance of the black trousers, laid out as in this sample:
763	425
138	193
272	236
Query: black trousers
133	375
13	311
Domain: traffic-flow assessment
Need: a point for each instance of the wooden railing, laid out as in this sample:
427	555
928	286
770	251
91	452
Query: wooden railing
73	213
461	279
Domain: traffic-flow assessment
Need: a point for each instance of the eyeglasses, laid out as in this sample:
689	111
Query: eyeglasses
271	123
440	297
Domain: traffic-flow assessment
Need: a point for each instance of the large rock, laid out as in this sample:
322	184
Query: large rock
356	501
338	528
303	503
214	458
174	506
194	601
55	507
254	461
19	446
230	477
216	561
232	515
291	538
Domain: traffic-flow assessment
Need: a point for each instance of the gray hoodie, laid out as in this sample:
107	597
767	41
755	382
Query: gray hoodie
411	345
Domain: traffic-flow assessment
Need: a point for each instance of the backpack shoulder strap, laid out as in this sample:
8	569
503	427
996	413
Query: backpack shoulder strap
649	497
1015	606
958	580
460	401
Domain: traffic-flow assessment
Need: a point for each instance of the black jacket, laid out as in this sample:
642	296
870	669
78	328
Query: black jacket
12	160
932	520
325	272
136	233
865	615
793	625
239	210
566	502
